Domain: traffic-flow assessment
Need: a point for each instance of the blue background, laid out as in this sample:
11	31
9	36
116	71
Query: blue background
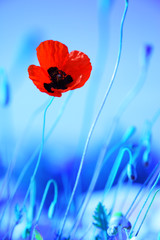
94	28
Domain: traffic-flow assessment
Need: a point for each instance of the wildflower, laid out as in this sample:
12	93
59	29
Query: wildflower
59	70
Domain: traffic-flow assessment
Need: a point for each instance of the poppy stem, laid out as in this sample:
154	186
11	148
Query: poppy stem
94	125
34	154
155	117
115	147
152	174
43	200
119	184
114	170
147	212
145	190
151	190
40	153
37	164
18	146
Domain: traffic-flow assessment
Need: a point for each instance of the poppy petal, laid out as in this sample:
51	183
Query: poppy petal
79	67
39	77
52	54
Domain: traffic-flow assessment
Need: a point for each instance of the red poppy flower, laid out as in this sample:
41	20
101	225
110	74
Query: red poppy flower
59	70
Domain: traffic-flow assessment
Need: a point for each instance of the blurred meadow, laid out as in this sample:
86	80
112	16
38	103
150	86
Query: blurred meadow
92	27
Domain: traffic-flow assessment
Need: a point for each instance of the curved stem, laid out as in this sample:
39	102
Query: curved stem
40	153
143	195
43	200
155	117
142	187
115	170
34	154
151	190
120	182
95	122
17	147
93	182
147	212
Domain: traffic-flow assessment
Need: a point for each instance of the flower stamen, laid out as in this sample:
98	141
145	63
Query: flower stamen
60	79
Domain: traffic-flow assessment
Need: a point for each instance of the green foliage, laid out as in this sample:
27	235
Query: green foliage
38	235
101	217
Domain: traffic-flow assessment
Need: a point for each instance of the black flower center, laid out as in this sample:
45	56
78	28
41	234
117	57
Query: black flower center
60	79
